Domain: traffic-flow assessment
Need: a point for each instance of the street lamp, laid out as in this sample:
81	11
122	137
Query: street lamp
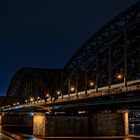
72	88
58	93
91	83
31	99
47	95
119	76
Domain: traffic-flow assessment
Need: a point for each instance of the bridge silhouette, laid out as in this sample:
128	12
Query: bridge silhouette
104	71
109	57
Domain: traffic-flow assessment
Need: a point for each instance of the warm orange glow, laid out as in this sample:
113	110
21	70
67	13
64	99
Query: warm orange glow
47	95
39	122
91	83
38	98
26	101
72	89
38	118
31	99
58	92
126	123
119	76
17	103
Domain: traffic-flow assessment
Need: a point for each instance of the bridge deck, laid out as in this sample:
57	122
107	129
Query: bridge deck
116	90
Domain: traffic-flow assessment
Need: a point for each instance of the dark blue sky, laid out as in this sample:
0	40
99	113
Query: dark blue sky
46	33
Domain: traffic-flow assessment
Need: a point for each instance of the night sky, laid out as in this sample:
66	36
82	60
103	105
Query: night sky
46	33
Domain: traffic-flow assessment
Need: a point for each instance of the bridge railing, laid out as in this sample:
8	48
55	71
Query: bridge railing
103	91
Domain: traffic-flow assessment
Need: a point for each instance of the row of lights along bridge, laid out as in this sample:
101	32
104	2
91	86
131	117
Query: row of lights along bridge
33	100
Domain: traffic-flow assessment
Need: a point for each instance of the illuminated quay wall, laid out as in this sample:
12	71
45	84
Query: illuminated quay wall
110	124
43	125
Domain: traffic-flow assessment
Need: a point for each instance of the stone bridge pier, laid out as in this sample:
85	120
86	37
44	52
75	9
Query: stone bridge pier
99	124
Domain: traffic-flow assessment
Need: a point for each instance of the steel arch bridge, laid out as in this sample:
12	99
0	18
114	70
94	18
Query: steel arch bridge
109	56
31	82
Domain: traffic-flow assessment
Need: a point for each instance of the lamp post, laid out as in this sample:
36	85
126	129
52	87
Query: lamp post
91	84
31	99
58	92
72	88
119	76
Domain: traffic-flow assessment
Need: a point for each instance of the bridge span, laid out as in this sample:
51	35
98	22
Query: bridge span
96	93
118	93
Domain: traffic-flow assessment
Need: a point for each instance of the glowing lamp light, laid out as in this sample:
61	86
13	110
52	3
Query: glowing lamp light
38	98
119	76
91	84
58	93
47	95
26	101
72	89
17	103
31	99
81	112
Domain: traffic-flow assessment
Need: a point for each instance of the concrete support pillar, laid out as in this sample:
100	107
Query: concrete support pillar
126	124
39	124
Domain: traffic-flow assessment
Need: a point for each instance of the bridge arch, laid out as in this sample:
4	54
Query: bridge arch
110	56
109	52
31	82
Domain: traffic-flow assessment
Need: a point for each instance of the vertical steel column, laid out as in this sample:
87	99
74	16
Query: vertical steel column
125	58
68	87
139	60
96	80
86	80
30	86
86	72
62	74
76	77
110	69
51	96
77	83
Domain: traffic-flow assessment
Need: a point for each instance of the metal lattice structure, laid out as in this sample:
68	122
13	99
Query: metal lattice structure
31	82
113	50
